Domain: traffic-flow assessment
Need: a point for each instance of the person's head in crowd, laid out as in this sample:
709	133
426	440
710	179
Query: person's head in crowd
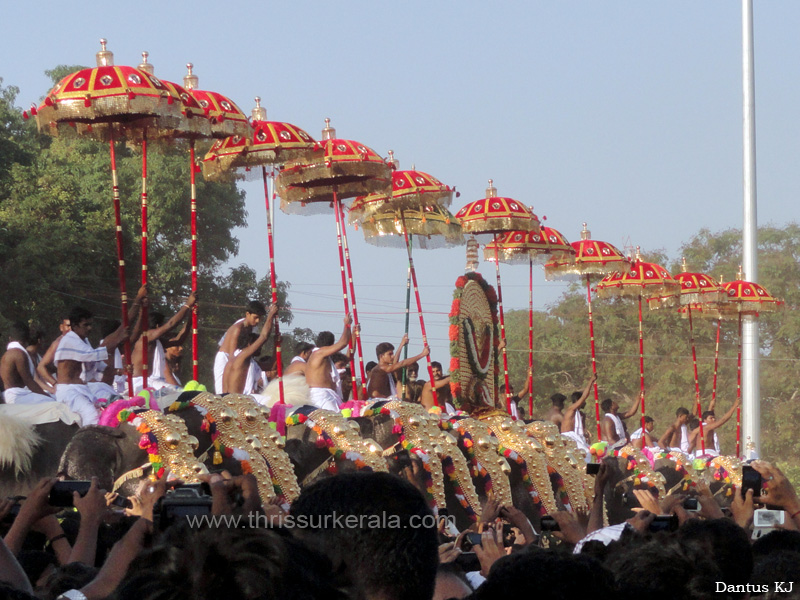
108	326
451	583
325	338
248	564
725	543
304	350
558	400
546	575
269	365
782	566
369	366
609	406
661	569
19	332
72	576
436	368
155	319
779	540
649	423
254	312
413	372
392	559
683	415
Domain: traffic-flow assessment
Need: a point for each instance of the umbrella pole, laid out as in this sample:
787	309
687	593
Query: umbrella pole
408	318
530	337
419	311
716	363
502	324
145	323
355	309
345	298
121	264
594	359
696	380
193	205
273	286
641	365
739	391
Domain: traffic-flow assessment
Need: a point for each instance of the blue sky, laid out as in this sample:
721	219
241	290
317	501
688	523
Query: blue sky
626	115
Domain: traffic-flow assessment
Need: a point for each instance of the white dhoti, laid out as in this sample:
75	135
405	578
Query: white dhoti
22	395
325	398
78	397
155	383
220	360
101	391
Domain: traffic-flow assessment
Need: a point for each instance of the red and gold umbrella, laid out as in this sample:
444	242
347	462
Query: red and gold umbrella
490	218
698	290
520	247
592	258
238	157
745	298
642	279
335	170
414	212
98	103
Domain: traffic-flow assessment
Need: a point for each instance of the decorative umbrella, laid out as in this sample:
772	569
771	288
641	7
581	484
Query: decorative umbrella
592	258
642	279
697	290
489	218
745	298
520	247
337	169
225	120
416	210
97	103
239	157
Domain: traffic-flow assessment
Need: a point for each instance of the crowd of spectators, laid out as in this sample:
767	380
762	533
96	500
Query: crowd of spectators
97	549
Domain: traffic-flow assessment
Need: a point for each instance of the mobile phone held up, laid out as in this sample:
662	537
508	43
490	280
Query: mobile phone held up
61	492
592	468
751	480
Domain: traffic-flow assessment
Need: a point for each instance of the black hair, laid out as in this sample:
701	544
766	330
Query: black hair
414	367
372	364
435	364
558	400
257	308
681	411
78	314
779	540
725	543
575	396
648	419
266	362
19	332
325	338
383	348
36	336
155	319
338	357
606	404
108	327
303	347
708	413
402	558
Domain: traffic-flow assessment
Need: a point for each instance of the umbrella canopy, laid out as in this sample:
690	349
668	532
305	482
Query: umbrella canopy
272	142
226	118
592	257
746	297
344	167
88	101
496	215
642	279
518	247
431	227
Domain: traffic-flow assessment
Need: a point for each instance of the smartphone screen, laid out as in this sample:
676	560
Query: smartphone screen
61	492
751	480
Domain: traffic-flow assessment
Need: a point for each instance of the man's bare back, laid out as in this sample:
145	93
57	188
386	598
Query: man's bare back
13	367
318	366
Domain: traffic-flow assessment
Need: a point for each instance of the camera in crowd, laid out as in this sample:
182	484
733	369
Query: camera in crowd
190	500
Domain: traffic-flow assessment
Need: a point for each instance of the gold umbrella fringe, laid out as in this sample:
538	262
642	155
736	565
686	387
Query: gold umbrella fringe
492	225
388	233
302	182
345	189
557	270
634	290
659	302
112	108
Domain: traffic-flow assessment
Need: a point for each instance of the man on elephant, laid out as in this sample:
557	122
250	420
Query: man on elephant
573	424
298	364
710	426
443	395
321	374
46	368
253	313
381	382
77	363
636	436
242	371
17	370
677	435
613	428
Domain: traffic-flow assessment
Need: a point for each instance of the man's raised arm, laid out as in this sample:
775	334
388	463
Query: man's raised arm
326	351
724	418
179	316
409	361
632	410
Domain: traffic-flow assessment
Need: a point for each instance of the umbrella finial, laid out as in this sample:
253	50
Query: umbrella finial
144	65
740	274
393	162
259	113
491	191
105	58
721	280
684	268
585	233
472	254
638	253
190	80
328	133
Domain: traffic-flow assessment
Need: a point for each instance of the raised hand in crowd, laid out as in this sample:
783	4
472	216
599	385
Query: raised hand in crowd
491	548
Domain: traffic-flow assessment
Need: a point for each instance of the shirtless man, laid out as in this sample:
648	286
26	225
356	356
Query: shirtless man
77	362
115	374
46	368
157	328
613	426
573	424
381	382
556	412
677	435
242	372
516	399
443	395
710	426
173	352
17	370
253	313
298	364
320	370
636	436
